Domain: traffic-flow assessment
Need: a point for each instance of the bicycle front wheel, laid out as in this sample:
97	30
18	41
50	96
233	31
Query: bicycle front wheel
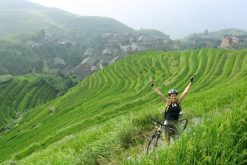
152	143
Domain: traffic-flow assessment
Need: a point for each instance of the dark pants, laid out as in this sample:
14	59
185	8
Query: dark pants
170	130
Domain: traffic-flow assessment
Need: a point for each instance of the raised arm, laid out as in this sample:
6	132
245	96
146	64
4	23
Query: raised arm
158	92
186	90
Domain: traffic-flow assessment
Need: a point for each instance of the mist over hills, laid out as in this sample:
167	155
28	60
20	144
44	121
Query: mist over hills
17	4
49	40
37	39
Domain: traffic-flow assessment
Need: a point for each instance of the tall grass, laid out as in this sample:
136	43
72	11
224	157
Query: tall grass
219	140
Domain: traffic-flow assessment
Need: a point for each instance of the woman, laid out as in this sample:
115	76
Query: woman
173	108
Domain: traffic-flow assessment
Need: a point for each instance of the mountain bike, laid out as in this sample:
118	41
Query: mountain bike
162	133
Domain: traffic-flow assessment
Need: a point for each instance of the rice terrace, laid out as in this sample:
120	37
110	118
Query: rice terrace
126	82
106	118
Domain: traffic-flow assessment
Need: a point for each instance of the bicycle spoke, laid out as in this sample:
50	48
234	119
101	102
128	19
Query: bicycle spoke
152	144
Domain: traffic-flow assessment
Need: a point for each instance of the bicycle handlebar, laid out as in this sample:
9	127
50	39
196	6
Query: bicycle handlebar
157	122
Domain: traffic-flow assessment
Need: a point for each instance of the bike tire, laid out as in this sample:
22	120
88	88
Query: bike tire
152	143
182	124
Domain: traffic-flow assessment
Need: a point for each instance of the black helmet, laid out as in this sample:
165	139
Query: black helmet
172	91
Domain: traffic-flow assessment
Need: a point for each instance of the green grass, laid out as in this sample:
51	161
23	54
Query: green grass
105	118
21	93
219	140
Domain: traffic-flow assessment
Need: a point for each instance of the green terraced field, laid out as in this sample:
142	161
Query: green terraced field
105	118
20	94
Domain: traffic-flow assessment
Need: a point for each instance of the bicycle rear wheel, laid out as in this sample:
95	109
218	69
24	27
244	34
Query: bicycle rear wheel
182	124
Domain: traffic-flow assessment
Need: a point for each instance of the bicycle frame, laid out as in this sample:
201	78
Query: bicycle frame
161	129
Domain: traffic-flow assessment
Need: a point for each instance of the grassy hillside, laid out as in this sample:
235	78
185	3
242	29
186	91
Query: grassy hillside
106	117
21	93
219	140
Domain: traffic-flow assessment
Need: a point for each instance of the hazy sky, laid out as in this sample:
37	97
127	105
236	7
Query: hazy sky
176	18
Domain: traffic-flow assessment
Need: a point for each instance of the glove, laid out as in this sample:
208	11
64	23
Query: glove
192	78
151	83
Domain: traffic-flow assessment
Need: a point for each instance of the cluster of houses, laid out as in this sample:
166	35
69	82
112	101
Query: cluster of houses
233	42
115	47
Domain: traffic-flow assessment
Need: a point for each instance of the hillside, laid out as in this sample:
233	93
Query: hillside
17	17
106	117
37	39
19	94
47	37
